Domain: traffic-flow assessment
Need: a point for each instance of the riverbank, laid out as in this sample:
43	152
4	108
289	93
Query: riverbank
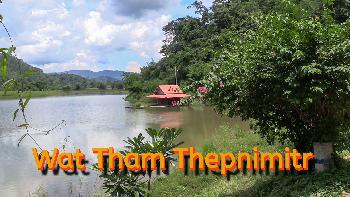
49	93
139	100
332	183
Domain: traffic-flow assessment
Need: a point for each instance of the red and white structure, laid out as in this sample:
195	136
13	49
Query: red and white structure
168	94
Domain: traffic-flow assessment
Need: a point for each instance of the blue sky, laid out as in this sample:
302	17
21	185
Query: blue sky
89	34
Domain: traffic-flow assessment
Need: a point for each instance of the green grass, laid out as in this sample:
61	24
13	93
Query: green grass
138	100
13	94
331	183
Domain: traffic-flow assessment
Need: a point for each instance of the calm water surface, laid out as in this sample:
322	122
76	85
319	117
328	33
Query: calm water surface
91	121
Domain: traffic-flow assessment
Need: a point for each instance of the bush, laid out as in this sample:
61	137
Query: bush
102	86
131	184
66	88
77	87
117	85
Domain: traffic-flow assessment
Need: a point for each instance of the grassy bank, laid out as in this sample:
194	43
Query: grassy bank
332	183
139	100
12	94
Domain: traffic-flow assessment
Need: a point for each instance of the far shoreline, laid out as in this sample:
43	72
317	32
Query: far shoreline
10	95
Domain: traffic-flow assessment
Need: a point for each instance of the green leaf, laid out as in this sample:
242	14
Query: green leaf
3	66
15	114
1	17
8	84
11	50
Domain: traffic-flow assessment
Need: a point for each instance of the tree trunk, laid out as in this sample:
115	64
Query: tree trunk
323	156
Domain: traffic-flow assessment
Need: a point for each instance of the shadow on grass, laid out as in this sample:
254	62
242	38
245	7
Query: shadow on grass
334	182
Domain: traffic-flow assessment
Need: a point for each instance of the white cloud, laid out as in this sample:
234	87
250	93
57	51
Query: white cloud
144	37
48	37
83	60
148	37
84	34
99	32
133	67
78	2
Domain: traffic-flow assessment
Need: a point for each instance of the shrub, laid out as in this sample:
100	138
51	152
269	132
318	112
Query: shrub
66	88
133	184
102	86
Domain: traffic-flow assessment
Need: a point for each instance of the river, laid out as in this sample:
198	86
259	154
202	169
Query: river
90	121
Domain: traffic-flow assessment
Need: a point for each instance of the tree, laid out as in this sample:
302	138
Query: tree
138	87
40	85
117	85
66	88
102	86
291	76
77	87
133	83
341	10
191	43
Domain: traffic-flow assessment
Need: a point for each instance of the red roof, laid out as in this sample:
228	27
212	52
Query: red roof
168	96
170	89
168	92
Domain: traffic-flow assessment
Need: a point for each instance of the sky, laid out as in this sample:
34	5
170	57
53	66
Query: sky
61	35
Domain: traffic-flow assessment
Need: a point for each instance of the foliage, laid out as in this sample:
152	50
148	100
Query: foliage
128	183
5	52
138	87
123	184
102	86
332	183
66	88
192	43
234	140
133	83
291	76
50	93
117	85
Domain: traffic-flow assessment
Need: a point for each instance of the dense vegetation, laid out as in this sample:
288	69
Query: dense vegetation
193	44
290	75
282	64
332	183
36	80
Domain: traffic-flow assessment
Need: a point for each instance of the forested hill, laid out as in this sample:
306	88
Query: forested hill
105	74
36	79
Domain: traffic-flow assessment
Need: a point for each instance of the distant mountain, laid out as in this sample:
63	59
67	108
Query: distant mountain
36	79
105	74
